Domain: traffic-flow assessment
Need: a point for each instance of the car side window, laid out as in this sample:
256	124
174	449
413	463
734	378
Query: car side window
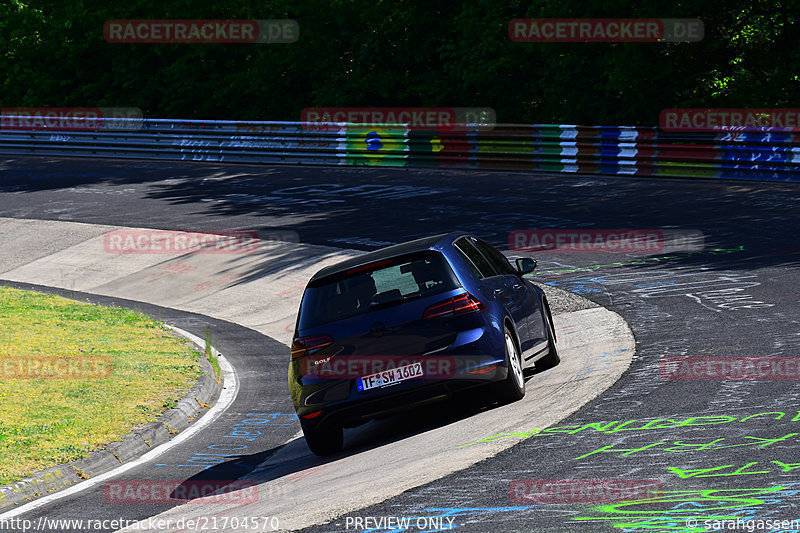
484	268
469	262
495	257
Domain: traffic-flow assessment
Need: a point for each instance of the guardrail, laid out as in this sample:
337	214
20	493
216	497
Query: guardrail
619	150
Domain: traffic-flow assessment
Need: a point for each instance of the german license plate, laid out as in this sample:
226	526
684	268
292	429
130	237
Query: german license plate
390	377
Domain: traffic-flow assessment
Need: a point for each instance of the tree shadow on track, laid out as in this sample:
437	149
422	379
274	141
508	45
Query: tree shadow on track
367	208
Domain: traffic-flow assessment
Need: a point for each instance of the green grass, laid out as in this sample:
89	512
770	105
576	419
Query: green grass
213	359
49	421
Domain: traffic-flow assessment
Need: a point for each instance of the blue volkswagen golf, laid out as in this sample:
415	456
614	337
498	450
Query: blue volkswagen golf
410	323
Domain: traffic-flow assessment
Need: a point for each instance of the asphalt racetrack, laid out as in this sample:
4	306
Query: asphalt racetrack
659	450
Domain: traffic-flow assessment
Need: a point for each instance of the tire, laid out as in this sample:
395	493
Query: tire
551	359
324	439
512	388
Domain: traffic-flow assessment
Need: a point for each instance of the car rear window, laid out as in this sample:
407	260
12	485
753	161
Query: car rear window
387	283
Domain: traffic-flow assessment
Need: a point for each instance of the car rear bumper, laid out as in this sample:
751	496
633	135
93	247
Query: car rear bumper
340	400
396	398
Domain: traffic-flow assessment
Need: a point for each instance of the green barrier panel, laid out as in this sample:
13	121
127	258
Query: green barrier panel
380	145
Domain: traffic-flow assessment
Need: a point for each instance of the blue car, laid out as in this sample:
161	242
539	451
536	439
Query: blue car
410	323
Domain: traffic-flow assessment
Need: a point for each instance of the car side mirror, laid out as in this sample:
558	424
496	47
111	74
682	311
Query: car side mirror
526	265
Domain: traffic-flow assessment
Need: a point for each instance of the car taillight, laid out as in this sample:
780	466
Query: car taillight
302	345
457	305
368	266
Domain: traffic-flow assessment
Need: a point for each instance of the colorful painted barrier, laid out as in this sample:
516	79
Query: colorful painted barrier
771	154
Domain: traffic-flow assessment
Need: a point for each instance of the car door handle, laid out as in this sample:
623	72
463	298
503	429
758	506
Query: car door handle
498	292
517	286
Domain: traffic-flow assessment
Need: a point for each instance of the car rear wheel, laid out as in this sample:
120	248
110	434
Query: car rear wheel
513	387
551	359
323	439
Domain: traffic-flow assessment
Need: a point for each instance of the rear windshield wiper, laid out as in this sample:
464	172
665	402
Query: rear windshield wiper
395	301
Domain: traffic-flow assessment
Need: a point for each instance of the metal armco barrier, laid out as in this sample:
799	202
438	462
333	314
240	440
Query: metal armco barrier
618	150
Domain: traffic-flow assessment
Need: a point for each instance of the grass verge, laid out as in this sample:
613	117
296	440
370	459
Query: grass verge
213	359
75	377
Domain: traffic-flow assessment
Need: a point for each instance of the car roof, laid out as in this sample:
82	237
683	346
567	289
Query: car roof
434	242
